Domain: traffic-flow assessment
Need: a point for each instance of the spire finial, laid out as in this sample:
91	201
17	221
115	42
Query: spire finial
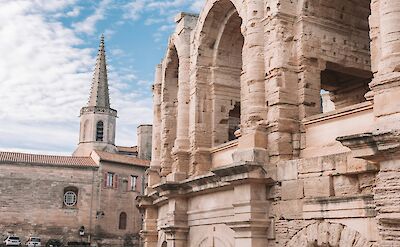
99	95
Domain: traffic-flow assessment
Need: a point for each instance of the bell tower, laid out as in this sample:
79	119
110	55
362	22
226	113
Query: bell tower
97	119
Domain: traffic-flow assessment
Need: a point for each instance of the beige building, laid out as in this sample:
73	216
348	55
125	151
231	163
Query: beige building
245	152
55	197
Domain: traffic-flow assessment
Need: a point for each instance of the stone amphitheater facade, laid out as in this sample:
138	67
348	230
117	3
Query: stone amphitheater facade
276	123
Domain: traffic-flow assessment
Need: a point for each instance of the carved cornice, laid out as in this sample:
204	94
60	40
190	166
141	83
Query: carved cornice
374	146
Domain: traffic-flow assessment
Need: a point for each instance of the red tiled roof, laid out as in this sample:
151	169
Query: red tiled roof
11	157
119	158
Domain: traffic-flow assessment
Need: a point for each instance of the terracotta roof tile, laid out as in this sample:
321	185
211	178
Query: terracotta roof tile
119	158
11	157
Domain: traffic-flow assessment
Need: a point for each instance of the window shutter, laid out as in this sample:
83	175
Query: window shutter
105	179
139	184
116	181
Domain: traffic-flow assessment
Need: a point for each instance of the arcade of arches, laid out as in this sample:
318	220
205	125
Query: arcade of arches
276	123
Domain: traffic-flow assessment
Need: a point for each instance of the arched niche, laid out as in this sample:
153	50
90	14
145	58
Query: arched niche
169	107
218	71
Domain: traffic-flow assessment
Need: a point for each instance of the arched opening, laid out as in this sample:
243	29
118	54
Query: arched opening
344	64
99	131
122	221
220	52
169	96
164	244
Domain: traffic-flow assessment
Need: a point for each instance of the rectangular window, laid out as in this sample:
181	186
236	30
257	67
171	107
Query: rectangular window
110	179
133	182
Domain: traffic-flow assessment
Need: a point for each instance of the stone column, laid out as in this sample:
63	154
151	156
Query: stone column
385	31
387	197
177	228
282	82
386	84
153	172
149	233
253	142
180	151
250	220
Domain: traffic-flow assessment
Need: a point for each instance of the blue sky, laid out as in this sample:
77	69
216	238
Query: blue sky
48	50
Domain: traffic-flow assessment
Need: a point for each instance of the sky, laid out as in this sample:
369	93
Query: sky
48	51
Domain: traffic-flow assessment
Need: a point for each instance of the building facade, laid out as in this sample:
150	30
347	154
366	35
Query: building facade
87	197
276	123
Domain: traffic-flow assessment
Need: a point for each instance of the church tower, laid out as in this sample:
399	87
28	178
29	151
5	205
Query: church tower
97	119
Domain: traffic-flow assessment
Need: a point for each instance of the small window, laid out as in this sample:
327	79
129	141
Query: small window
110	179
99	131
133	182
122	221
70	199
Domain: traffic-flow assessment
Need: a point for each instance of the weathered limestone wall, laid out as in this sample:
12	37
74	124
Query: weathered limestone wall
295	176
118	199
334	189
32	201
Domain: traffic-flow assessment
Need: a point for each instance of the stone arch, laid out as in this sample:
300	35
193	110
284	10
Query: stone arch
342	73
328	234
169	99
215	76
162	239
217	236
215	241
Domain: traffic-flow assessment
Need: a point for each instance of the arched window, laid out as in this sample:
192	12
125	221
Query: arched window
99	131
122	221
164	244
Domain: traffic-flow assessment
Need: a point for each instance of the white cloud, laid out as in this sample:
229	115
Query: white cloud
45	80
89	24
197	5
134	9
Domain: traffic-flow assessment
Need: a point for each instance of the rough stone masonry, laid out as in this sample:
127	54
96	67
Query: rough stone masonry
276	123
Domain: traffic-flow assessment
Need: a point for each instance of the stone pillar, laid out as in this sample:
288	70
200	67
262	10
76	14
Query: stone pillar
153	172
180	152
250	220
385	24
386	84
282	82
387	197
389	12
253	142
149	233
177	229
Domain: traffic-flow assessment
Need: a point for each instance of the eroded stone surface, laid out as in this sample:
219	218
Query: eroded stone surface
317	162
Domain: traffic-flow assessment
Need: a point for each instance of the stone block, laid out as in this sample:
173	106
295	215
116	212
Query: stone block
287	170
291	209
345	185
292	189
310	165
318	187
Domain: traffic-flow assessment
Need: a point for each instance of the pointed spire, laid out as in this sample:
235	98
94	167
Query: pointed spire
99	95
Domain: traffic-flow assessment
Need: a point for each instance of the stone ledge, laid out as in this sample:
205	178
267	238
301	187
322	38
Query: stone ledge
339	207
338	113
